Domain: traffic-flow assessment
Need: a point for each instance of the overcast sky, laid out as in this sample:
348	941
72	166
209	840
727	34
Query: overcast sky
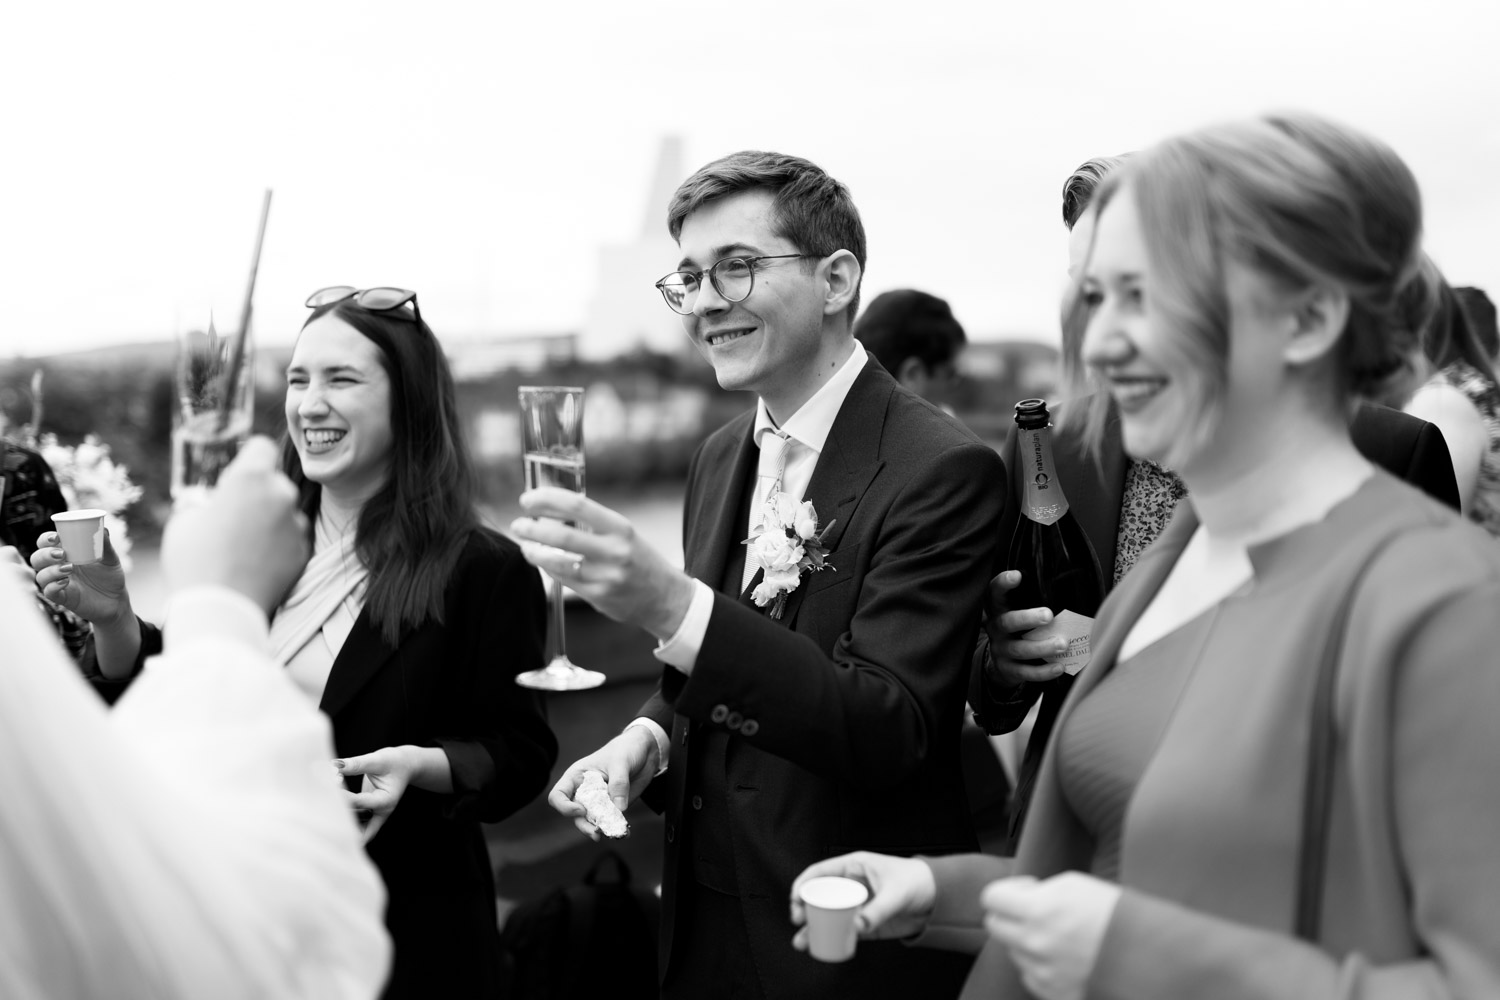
481	153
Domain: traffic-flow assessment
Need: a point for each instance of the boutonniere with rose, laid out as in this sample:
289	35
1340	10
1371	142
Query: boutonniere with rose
786	545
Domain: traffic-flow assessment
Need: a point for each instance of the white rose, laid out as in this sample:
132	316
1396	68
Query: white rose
786	579
780	582
806	523
775	552
783	508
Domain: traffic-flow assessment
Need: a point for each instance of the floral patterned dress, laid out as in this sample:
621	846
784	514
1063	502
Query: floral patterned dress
1151	495
1480	389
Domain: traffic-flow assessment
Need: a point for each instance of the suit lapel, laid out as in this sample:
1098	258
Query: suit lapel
715	524
1093	483
848	464
1094	486
362	656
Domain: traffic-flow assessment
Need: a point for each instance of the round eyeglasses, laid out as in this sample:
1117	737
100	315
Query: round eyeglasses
733	278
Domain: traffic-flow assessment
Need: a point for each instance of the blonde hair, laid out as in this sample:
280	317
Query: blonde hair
1302	202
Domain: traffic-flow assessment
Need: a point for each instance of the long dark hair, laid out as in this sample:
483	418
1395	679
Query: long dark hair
412	531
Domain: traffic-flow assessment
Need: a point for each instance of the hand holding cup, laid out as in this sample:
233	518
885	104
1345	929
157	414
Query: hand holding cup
902	892
830	903
94	591
81	535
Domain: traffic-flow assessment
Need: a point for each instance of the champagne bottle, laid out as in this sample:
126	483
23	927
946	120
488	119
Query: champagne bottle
1059	569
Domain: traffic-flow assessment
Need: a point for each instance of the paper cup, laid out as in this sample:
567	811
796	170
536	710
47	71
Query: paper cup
831	902
82	535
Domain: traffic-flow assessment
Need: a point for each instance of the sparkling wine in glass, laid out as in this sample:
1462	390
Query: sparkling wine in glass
552	452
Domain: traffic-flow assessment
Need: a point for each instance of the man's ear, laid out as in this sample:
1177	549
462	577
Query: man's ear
842	282
911	372
1317	323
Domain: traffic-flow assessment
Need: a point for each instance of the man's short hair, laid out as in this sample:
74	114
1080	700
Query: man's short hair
909	324
1481	313
1079	188
810	209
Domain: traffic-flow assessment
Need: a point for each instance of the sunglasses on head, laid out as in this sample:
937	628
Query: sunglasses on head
374	299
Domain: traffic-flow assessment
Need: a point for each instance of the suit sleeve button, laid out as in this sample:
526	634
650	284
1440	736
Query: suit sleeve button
671	833
735	720
697	802
720	713
750	728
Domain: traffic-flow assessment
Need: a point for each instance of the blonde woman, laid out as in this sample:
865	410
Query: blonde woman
1244	287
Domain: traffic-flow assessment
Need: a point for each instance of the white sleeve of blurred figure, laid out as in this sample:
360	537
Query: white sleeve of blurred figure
192	843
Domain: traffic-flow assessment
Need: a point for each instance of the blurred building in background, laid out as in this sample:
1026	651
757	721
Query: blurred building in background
650	398
627	313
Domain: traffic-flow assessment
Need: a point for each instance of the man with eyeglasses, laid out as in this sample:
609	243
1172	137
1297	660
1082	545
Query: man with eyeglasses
807	707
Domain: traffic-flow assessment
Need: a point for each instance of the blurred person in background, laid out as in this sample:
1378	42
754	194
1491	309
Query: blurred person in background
1463	398
1077	194
407	627
1304	659
1123	503
829	714
1481	313
29	496
916	339
192	843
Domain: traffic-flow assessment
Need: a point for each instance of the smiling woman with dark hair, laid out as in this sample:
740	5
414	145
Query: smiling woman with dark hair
407	628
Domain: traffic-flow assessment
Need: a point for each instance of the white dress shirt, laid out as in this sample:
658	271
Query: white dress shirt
192	843
808	428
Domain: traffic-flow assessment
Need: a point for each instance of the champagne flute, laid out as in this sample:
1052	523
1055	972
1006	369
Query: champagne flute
552	451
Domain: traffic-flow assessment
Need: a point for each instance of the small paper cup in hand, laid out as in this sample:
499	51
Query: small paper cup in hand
831	902
82	535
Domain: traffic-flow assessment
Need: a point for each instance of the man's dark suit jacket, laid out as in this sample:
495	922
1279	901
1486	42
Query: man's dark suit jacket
450	685
1408	447
835	728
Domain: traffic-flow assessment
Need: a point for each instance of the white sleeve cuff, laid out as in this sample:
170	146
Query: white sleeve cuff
681	650
663	742
216	613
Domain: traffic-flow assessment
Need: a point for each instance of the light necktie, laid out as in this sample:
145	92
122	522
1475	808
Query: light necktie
775	447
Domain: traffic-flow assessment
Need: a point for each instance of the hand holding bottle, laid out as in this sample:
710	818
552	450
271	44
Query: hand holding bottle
1055	576
1008	649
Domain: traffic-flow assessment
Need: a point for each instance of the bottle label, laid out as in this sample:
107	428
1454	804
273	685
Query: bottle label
1042	500
1076	629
